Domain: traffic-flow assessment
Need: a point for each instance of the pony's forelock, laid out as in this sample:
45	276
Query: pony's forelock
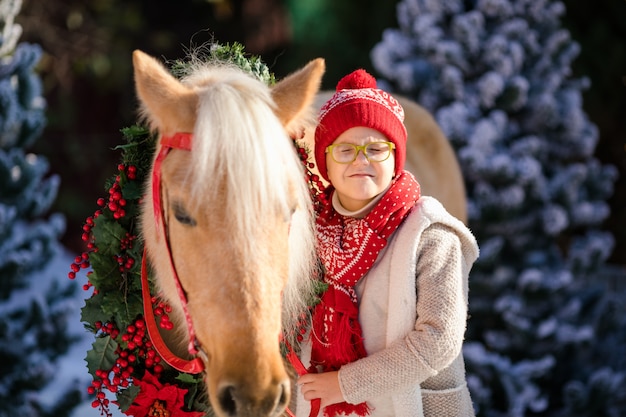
238	136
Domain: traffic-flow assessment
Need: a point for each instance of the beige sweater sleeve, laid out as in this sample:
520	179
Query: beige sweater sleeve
439	330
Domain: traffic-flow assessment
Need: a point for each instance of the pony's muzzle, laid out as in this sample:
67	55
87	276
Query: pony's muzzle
236	401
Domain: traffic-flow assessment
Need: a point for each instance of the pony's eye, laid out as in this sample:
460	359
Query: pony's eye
182	216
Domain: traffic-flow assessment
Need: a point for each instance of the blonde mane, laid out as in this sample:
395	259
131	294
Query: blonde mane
250	149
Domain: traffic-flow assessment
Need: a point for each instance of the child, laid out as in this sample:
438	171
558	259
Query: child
386	337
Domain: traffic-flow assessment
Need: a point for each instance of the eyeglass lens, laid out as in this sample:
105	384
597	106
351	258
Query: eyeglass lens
347	152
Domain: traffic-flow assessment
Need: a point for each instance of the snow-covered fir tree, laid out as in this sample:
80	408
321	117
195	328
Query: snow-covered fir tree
547	332
34	306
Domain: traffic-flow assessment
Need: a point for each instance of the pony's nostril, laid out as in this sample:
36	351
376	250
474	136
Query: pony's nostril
283	400
227	400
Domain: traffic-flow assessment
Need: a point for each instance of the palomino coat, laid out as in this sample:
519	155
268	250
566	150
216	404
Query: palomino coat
413	311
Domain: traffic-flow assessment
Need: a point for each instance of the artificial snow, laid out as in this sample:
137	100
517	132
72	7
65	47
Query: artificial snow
72	365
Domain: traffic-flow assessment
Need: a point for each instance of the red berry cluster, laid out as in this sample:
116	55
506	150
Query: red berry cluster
135	349
125	260
82	261
301	327
316	186
127	242
162	311
116	204
89	224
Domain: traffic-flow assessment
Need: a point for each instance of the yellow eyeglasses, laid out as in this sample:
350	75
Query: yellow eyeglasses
345	153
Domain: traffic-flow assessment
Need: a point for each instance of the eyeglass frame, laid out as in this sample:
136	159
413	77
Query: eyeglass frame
362	149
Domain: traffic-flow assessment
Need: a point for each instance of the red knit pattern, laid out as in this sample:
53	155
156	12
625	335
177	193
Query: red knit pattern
348	247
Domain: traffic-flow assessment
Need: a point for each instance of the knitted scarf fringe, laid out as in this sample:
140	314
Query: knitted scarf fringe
342	340
345	409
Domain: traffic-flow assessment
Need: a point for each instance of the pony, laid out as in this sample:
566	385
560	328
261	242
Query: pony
429	156
230	234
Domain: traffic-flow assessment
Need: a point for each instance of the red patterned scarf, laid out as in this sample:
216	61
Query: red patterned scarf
348	247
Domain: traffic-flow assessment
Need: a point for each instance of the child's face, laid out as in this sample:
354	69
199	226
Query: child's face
359	182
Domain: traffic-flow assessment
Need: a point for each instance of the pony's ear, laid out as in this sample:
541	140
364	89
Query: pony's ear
295	93
166	104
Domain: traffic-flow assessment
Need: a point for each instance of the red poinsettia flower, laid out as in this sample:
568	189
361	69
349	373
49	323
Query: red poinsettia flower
159	400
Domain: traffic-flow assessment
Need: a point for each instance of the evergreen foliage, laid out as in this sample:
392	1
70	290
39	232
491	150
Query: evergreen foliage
547	327
232	54
33	305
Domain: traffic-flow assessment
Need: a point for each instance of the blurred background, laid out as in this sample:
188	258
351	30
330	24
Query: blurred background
87	74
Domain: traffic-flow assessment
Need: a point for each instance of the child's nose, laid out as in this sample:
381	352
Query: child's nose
361	157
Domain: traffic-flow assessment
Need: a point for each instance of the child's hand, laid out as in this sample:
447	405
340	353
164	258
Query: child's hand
324	386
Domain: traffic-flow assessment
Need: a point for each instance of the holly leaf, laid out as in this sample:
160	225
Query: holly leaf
188	378
133	190
92	311
113	305
102	354
196	393
126	397
124	307
108	235
105	271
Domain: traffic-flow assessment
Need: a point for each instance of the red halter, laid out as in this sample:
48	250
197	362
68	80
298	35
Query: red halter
195	365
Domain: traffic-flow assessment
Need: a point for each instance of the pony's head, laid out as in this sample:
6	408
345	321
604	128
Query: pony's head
237	221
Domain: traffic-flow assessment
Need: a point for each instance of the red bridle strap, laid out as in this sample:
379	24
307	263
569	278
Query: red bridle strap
195	365
298	366
178	140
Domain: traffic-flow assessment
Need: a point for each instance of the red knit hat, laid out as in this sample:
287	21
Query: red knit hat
357	102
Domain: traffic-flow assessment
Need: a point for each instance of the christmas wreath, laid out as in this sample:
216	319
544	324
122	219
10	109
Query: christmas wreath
122	360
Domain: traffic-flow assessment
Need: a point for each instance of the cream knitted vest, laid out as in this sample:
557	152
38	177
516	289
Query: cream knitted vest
388	313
